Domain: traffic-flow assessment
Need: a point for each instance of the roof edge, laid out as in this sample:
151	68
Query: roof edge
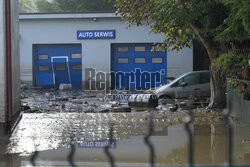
24	16
32	13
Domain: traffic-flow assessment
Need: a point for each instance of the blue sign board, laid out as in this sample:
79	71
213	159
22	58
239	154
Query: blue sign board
98	34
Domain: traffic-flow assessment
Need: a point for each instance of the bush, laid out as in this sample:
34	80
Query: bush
234	65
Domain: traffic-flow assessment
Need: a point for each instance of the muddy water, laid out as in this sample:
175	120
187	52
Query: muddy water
51	135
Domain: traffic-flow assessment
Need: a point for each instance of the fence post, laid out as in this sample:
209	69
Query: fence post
226	119
148	143
190	138
106	148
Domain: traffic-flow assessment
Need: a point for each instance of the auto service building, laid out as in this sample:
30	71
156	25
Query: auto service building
65	48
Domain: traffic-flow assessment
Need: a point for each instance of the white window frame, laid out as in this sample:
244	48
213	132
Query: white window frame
140	58
76	56
43	70
122	47
140	50
75	67
41	57
156	58
122	58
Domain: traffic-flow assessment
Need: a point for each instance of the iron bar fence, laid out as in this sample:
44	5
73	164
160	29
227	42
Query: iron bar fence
72	152
190	139
148	143
106	148
230	135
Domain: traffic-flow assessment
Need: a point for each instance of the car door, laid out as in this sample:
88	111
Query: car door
176	90
205	84
191	85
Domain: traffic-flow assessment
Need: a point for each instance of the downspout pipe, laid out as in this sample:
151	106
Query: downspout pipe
8	64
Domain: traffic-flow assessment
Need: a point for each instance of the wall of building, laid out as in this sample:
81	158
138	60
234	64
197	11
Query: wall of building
15	62
2	64
51	29
180	62
15	50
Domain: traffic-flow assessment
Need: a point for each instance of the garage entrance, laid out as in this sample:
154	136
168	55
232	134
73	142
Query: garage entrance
58	64
134	66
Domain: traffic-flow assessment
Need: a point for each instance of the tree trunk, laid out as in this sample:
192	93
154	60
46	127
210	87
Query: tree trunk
218	88
218	78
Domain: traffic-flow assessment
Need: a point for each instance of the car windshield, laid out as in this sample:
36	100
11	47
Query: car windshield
192	78
177	80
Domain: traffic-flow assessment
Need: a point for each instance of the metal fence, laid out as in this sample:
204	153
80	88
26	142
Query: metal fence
239	105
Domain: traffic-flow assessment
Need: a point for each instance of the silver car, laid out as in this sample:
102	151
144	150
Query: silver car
193	84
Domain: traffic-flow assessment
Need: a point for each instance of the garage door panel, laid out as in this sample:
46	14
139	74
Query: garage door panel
45	77
76	73
59	58
139	58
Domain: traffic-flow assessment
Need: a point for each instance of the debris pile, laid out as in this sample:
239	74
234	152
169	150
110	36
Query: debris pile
42	101
37	100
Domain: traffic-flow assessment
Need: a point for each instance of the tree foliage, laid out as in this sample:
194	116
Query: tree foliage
237	25
59	6
182	20
27	6
233	63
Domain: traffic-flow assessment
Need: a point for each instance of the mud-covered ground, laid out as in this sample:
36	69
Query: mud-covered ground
49	101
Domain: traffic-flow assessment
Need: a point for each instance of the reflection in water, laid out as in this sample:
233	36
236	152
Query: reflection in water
177	156
12	160
51	134
218	143
202	145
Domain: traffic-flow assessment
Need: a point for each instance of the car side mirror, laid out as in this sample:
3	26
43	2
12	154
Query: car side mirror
183	84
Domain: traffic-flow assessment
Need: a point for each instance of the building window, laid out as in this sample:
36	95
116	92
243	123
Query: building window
123	49
43	57
76	56
140	48
43	68
76	66
122	60
157	60
140	60
60	67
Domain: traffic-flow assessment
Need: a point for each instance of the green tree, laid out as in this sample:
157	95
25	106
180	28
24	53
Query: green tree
45	6
74	6
59	6
27	6
213	22
84	6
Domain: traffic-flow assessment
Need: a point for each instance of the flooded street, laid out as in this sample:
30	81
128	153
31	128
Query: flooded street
55	122
52	134
124	83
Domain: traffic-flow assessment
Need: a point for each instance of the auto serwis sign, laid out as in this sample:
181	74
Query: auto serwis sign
96	34
97	144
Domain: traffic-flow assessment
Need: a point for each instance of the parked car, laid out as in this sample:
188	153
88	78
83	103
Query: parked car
193	84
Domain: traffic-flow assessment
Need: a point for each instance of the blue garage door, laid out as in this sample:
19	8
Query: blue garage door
58	64
134	66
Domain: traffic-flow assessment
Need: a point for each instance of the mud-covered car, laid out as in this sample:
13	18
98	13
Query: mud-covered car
193	84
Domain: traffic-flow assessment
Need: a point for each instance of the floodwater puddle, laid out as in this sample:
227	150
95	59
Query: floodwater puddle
52	134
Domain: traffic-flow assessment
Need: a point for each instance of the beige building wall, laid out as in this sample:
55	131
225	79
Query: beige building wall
15	62
2	63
